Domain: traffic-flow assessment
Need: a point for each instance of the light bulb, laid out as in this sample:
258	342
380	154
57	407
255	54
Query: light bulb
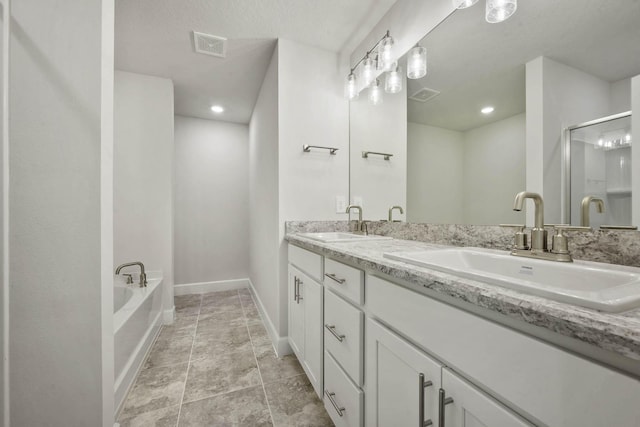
350	89
385	54
217	109
375	93
368	70
487	110
500	10
600	142
393	82
417	63
463	4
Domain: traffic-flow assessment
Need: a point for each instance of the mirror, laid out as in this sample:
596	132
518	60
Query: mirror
551	65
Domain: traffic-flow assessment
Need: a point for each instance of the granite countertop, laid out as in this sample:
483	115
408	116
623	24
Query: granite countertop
618	333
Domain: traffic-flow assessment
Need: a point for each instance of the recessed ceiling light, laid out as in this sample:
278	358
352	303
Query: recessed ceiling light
487	110
217	109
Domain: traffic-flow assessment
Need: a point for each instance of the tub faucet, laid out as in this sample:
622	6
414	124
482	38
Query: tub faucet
143	276
391	212
586	204
359	226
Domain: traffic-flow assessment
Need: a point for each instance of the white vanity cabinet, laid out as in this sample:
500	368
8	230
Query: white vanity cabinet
305	298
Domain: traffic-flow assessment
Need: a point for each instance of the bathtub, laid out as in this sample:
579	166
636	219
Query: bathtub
136	322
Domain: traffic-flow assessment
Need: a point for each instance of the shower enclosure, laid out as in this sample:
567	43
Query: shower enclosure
598	164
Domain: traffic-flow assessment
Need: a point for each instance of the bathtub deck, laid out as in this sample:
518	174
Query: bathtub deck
216	366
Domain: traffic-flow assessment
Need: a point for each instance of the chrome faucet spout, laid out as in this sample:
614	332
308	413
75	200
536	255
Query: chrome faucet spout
585	205
348	210
391	212
518	204
143	275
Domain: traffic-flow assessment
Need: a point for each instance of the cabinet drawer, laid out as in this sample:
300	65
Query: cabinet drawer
307	261
342	399
343	335
344	280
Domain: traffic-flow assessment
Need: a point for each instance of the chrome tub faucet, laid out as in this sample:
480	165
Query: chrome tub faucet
143	276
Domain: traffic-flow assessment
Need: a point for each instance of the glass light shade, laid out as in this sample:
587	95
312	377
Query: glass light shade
417	63
350	89
368	70
463	4
375	93
500	10
393	83
385	54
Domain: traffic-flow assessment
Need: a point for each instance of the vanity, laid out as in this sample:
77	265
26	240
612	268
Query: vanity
388	343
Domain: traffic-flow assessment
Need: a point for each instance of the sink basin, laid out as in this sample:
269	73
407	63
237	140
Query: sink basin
334	237
589	284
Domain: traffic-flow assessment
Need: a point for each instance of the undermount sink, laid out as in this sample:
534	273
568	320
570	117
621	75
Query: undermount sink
333	237
589	284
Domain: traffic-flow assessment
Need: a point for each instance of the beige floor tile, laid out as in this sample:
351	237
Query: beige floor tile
170	351
213	376
217	342
213	321
247	408
274	368
165	417
294	403
181	326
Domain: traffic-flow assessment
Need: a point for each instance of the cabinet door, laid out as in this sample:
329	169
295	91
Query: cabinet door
296	314
402	381
311	293
470	407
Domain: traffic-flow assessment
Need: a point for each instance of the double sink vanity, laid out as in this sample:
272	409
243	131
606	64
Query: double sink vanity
395	332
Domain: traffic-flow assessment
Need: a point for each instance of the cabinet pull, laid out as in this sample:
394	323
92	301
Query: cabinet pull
295	288
299	283
442	402
332	329
334	278
329	395
422	384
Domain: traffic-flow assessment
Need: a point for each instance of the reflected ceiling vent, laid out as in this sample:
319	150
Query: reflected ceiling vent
210	45
425	94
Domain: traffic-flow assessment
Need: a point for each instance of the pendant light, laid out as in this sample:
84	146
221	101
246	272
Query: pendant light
350	88
393	82
375	93
385	53
368	70
463	4
500	10
417	62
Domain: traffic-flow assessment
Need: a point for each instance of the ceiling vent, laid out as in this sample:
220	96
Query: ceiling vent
425	94
210	45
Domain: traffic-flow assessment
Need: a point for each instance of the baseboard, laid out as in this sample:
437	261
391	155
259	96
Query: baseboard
280	344
168	316
203	287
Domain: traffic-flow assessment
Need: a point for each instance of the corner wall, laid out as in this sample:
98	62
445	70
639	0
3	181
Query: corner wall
143	175
635	153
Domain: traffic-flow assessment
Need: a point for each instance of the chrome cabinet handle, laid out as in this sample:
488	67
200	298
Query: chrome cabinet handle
295	288
299	283
329	395
332	329
422	384
334	278
442	402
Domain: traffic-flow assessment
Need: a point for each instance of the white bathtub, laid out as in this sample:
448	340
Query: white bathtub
136	322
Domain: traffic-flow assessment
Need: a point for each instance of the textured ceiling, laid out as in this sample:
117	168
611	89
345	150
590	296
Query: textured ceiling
473	63
154	37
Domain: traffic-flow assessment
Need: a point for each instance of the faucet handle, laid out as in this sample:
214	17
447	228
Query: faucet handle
520	239
129	278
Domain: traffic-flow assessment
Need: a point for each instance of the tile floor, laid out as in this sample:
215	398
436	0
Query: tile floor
215	366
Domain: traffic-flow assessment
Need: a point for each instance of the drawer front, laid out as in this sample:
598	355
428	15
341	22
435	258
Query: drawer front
344	280
342	399
343	335
307	261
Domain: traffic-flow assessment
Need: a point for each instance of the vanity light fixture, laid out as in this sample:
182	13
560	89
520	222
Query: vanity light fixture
385	53
375	93
417	62
487	110
393	82
350	88
217	109
463	4
500	10
368	70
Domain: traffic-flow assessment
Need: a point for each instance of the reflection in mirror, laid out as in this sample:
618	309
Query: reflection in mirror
551	65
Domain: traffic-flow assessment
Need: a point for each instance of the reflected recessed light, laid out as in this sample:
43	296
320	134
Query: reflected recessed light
487	110
217	109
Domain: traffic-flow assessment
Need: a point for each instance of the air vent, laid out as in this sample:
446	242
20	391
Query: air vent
425	94
210	45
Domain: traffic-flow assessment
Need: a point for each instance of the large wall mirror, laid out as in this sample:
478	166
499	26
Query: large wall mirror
550	66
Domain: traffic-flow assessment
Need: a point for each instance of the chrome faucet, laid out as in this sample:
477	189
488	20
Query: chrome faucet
586	204
359	226
559	248
391	212
143	276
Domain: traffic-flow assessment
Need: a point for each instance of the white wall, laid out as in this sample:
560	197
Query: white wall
620	96
264	197
4	216
59	96
635	152
143	175
494	171
211	211
435	174
380	183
